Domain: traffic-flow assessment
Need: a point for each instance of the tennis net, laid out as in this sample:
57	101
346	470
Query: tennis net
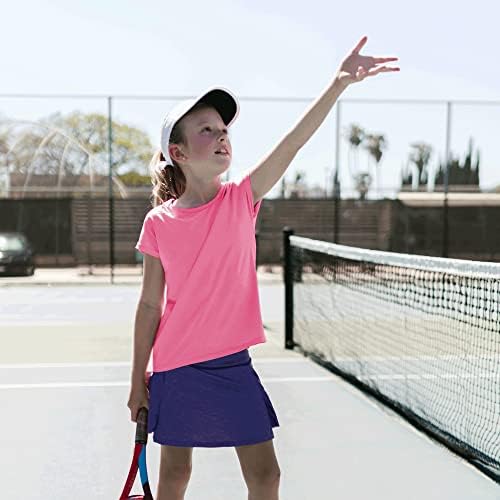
421	334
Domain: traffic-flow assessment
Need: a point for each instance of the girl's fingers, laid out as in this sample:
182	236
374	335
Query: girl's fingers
360	45
379	60
378	70
370	62
383	69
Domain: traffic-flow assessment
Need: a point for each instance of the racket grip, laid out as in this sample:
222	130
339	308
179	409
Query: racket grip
141	431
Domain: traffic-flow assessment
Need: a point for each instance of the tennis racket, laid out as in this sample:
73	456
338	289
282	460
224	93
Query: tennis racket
139	460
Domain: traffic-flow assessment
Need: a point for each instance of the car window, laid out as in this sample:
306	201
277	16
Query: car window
11	243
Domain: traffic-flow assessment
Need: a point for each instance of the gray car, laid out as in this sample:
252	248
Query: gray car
16	255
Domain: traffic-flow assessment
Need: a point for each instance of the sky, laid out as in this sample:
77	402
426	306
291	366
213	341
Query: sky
279	49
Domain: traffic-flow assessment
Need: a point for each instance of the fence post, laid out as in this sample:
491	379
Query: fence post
444	249
336	182
288	277
110	193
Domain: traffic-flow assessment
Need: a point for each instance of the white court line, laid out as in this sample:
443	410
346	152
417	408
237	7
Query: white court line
425	376
66	365
112	364
65	385
54	322
280	360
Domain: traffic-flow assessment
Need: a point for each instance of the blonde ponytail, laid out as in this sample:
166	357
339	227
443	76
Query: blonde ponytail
168	182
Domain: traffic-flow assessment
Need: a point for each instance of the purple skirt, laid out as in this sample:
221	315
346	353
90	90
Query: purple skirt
219	402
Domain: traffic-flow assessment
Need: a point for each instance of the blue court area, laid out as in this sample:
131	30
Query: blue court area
64	382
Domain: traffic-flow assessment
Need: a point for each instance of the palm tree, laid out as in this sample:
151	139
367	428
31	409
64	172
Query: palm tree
375	144
363	182
355	135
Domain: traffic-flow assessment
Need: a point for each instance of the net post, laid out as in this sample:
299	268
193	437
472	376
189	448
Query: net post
288	278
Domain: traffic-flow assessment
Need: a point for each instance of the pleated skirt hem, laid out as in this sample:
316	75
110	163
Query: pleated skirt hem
221	444
216	403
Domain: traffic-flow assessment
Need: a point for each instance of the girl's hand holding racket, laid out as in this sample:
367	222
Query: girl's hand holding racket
355	67
138	398
139	460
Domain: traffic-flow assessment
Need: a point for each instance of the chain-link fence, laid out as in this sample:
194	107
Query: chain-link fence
82	160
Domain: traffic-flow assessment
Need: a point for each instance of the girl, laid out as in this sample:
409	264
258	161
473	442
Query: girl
199	306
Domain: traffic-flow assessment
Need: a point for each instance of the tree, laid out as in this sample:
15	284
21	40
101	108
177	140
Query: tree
363	182
375	144
419	158
297	184
355	136
74	145
283	187
362	179
466	173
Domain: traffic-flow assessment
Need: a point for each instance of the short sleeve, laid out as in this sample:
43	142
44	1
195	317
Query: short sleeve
147	242
247	188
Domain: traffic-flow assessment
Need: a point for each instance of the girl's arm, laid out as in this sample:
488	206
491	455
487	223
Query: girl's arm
147	316
354	68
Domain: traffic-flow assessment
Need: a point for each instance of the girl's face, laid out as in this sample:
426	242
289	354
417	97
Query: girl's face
205	133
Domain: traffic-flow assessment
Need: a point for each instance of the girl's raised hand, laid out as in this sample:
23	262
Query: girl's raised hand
355	67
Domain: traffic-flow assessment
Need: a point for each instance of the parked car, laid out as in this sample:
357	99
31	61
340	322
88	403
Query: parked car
16	254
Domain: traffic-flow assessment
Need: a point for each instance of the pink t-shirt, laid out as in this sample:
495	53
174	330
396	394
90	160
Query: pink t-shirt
208	253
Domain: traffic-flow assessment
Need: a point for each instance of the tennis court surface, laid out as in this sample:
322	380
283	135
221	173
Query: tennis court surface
64	381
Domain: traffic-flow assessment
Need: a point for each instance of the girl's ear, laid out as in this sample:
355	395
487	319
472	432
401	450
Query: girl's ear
175	152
